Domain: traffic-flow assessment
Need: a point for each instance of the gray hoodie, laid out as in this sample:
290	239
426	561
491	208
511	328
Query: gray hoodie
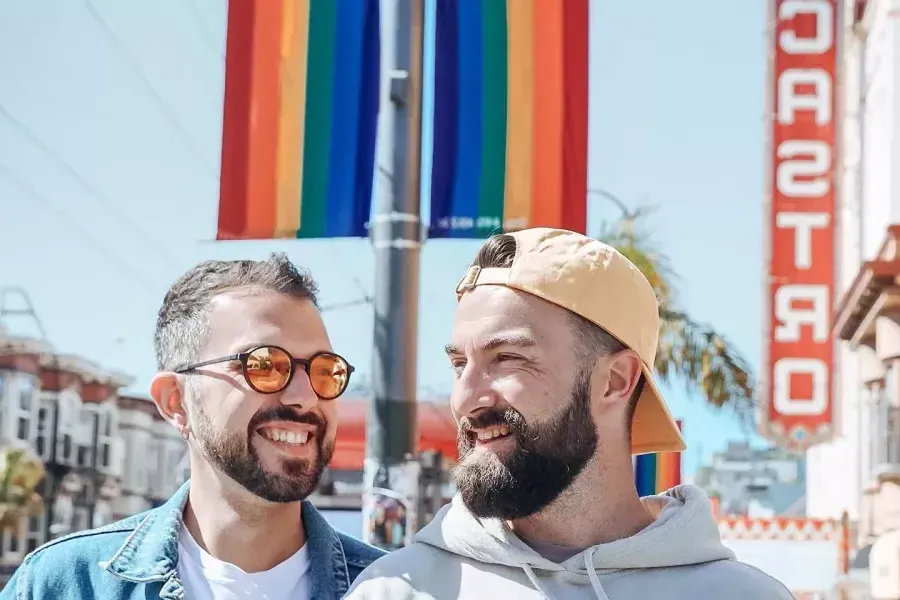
679	556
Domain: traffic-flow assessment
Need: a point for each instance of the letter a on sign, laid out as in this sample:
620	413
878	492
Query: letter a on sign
797	402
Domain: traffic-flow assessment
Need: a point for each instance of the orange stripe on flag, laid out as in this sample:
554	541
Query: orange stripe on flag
547	186
265	99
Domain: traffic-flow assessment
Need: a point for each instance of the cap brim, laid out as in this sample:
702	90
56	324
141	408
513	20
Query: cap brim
653	428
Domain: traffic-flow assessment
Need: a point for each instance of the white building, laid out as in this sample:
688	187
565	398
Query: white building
860	471
155	457
106	456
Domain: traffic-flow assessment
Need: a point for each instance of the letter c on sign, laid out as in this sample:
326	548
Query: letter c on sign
785	403
824	38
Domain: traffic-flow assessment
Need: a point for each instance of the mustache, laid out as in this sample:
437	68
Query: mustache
493	417
286	413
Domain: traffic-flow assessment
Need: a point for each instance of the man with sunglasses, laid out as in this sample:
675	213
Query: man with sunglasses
248	376
553	345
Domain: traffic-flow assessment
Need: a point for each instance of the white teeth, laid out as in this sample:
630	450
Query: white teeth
489	434
286	437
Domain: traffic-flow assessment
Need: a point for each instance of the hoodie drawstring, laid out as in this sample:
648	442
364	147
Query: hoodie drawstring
537	584
592	575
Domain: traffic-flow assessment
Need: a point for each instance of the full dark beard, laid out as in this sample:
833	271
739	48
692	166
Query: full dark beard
545	461
234	455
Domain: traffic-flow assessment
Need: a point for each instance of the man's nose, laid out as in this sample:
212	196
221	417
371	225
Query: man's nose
300	392
472	392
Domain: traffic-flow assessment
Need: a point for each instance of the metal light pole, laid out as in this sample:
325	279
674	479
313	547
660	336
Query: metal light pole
390	471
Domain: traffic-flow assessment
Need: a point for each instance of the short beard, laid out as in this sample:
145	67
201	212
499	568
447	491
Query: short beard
547	458
233	454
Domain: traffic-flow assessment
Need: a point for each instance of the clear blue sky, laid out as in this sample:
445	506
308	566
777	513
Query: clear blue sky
110	125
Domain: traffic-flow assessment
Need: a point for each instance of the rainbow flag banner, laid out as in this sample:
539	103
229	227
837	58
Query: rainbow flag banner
301	109
656	473
510	116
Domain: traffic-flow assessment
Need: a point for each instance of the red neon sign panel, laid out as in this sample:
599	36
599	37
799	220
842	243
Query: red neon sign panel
798	407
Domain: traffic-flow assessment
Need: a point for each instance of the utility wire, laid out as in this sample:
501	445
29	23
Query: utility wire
173	120
73	227
104	201
197	16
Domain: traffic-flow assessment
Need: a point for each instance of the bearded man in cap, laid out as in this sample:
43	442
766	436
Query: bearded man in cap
553	343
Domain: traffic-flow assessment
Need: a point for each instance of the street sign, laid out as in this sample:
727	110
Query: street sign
798	403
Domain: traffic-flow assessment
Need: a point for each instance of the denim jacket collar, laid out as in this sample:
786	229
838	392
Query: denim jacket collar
150	553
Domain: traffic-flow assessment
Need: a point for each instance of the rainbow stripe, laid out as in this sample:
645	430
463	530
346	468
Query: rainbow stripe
510	116
656	473
301	108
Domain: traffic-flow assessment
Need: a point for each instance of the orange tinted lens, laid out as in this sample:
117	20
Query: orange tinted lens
268	369
329	374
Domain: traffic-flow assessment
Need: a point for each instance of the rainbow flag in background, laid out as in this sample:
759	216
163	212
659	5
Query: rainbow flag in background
510	116
300	118
656	473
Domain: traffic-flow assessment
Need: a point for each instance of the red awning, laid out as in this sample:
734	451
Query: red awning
435	427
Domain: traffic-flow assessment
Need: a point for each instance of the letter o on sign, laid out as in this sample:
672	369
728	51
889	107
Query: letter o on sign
788	406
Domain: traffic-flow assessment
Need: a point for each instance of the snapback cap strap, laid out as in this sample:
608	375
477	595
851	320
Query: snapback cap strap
475	276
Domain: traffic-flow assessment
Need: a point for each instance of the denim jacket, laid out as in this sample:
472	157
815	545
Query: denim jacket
137	558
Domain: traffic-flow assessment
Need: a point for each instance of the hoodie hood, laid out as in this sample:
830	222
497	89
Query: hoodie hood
683	533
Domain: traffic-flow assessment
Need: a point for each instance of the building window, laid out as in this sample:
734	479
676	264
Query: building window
36	527
106	430
44	431
892	437
85	437
63	514
24	408
67	426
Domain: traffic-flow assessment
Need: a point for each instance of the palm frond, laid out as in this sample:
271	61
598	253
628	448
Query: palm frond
629	236
705	360
692	351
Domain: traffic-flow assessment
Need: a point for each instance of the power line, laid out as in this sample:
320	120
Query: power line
348	304
201	25
105	202
73	227
173	120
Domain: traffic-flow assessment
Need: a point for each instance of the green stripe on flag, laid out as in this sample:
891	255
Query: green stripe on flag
317	131
493	117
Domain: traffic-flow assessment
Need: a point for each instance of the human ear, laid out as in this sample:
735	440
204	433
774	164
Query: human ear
167	394
624	373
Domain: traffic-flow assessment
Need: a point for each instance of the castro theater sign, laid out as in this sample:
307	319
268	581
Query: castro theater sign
798	403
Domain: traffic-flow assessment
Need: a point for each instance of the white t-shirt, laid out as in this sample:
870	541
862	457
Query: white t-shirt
208	578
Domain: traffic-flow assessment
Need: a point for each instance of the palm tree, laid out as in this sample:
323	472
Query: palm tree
689	349
20	473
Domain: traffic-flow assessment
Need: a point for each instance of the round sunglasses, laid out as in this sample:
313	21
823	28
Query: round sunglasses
270	369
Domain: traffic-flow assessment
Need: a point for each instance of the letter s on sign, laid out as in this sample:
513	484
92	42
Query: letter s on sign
810	160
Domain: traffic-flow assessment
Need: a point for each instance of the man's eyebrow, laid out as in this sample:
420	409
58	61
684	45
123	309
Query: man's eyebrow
518	341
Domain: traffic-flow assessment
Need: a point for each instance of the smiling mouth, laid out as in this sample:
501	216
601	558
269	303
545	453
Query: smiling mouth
492	433
282	436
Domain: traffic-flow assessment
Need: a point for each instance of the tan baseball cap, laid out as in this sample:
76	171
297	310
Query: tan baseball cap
597	282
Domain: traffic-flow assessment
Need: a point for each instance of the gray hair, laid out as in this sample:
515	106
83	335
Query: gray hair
182	323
